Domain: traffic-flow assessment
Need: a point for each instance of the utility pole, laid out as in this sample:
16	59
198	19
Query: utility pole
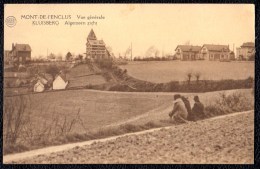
47	52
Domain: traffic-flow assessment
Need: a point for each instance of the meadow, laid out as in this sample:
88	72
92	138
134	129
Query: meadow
162	72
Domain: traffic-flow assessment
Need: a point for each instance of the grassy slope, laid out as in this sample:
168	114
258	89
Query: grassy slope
106	114
81	75
98	109
160	72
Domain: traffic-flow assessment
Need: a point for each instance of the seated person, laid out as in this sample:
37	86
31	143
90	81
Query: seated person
179	112
198	109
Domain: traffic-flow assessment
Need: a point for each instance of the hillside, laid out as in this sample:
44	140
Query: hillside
81	76
225	140
100	114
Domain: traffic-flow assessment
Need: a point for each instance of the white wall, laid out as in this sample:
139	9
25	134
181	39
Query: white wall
58	83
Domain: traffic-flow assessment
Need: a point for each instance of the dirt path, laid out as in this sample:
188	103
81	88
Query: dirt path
164	109
56	154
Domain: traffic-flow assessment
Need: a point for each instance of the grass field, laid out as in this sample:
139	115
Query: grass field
101	113
82	76
99	109
160	72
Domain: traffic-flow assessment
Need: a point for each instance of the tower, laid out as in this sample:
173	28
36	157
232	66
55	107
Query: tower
92	35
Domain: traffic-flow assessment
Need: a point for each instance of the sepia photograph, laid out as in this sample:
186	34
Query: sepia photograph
128	84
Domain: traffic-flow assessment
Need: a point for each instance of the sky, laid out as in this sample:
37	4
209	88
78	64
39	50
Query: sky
163	26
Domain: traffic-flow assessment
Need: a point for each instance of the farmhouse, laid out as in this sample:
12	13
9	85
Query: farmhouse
215	52
20	53
188	52
246	51
95	49
60	82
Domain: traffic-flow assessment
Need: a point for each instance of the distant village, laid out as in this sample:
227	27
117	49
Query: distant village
19	57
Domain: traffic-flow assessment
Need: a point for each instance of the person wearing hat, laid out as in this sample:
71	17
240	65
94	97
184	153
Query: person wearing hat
198	109
179	112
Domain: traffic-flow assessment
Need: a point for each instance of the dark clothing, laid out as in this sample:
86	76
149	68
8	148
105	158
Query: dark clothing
188	107
198	111
187	104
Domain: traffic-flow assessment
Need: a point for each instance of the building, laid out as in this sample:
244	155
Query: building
245	51
95	49
20	53
188	52
232	55
7	57
215	52
60	82
38	87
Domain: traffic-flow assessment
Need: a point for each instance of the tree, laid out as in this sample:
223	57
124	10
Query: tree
68	56
197	75
80	57
51	56
152	51
15	118
189	75
53	70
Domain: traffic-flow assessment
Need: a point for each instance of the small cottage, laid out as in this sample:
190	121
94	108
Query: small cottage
38	87
41	83
60	82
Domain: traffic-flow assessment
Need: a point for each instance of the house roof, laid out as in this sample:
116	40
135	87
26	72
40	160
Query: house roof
189	48
63	77
22	47
97	42
42	80
39	83
248	44
92	35
219	48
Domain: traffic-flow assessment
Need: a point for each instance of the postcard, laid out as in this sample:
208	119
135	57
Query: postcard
129	83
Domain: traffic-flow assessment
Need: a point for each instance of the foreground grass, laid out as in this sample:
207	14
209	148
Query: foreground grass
224	104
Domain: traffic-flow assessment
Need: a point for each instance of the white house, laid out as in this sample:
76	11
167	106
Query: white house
38	87
60	82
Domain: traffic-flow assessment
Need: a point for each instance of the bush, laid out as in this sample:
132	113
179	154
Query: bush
104	63
225	104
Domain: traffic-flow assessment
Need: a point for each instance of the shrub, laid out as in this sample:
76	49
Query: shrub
234	102
53	70
104	63
130	127
152	124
